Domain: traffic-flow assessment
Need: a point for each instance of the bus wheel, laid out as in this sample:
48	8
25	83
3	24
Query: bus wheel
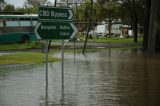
25	39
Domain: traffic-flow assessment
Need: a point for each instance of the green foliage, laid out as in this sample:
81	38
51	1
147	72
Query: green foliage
115	40
131	8
9	7
83	11
28	10
18	46
31	6
31	10
34	3
112	39
25	58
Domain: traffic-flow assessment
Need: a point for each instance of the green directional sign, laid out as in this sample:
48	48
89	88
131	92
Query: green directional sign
55	13
55	30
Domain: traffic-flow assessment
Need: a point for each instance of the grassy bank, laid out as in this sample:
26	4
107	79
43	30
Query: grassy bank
25	58
114	40
19	46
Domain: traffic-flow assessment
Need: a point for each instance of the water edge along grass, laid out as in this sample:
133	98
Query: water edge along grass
26	58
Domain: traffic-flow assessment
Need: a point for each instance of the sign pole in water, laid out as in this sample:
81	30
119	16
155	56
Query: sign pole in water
55	23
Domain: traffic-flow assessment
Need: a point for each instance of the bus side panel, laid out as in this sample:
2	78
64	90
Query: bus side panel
10	37
15	34
32	37
17	37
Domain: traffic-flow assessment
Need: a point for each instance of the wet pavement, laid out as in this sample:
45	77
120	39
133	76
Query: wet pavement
127	78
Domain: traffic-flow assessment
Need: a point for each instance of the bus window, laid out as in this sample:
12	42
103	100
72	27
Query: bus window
12	23
25	23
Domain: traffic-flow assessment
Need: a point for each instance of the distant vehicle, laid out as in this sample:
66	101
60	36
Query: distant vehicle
103	30
18	28
116	29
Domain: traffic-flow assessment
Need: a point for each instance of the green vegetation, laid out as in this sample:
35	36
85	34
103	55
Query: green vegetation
102	39
25	58
38	45
19	46
116	40
35	57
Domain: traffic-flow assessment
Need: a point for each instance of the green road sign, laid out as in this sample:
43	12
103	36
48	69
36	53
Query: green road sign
55	13
55	30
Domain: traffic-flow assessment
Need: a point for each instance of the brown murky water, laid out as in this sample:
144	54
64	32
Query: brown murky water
127	78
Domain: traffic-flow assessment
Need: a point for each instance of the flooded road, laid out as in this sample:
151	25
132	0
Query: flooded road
127	78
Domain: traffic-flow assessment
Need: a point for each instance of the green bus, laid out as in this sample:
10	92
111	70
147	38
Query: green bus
18	28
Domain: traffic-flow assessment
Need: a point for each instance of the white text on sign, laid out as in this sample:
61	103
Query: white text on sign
53	14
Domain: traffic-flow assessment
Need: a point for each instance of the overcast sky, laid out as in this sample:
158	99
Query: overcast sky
18	3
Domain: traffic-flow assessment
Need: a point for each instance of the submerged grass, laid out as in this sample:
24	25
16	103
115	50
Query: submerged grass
19	46
38	58
26	58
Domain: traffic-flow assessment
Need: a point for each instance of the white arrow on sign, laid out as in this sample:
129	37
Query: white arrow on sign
70	14
75	30
37	26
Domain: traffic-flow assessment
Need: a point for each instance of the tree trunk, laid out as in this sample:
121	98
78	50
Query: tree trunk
152	27
135	26
146	25
135	22
89	26
109	26
135	32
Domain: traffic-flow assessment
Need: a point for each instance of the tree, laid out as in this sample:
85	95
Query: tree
108	11
112	13
153	27
83	13
132	12
9	7
31	6
34	3
147	10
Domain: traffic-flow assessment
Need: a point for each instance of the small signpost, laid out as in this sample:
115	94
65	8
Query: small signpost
55	23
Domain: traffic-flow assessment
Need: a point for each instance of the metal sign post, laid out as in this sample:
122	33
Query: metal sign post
62	64
55	23
109	49
46	58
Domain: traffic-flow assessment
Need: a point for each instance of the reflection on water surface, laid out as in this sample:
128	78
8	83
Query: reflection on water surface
127	78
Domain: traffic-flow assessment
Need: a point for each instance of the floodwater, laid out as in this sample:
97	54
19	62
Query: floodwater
127	78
